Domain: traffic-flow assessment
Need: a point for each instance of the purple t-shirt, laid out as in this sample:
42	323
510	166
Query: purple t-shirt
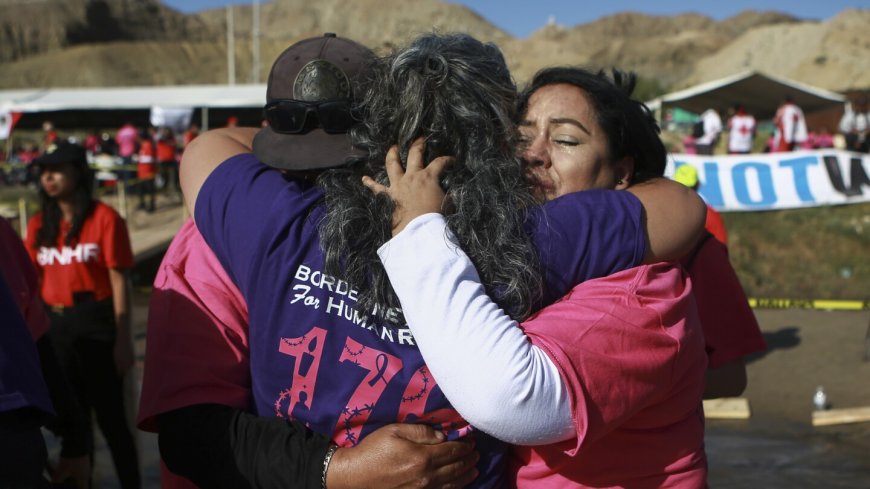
314	357
21	382
586	235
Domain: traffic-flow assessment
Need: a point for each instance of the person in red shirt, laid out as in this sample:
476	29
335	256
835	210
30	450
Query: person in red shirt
50	135
190	134
730	327
146	171
166	158
741	131
81	249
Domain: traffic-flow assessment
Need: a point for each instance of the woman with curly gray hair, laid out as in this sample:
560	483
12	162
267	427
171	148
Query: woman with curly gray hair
457	93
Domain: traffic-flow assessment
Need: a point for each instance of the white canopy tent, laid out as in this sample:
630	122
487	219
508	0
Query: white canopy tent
760	93
110	106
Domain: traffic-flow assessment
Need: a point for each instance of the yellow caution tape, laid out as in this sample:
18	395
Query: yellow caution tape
819	304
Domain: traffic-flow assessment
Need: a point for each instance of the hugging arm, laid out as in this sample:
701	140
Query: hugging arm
206	152
515	395
223	447
674	216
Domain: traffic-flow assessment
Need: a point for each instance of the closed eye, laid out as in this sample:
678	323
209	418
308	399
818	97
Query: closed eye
567	142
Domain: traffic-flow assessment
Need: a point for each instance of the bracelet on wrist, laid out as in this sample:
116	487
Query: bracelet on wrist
326	459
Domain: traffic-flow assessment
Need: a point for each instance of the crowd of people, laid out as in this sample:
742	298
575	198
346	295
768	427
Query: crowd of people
145	159
790	131
415	274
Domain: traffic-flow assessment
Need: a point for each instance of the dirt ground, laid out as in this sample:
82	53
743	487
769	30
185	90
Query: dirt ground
807	349
778	447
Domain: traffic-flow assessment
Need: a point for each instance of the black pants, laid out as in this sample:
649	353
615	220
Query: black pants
147	187
84	339
22	452
169	173
705	149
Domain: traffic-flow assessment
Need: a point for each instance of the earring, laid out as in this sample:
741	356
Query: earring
619	182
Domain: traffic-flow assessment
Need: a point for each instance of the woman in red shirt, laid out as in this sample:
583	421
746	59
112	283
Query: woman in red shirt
146	171
81	248
166	160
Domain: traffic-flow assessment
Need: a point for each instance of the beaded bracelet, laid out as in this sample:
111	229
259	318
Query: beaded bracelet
329	453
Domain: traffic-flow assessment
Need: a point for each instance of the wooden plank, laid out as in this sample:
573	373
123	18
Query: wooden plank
727	408
841	416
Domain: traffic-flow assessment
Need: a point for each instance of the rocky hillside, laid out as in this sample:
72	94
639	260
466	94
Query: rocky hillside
834	54
47	43
34	27
375	23
663	48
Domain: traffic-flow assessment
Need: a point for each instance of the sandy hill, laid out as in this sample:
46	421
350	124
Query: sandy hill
33	27
375	23
658	47
834	54
46	43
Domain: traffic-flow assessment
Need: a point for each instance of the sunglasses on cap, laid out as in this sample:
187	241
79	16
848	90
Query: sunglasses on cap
288	116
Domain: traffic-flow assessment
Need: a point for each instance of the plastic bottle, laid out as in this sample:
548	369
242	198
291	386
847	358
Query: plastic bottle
820	399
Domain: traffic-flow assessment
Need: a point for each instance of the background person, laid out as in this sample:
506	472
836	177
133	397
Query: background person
24	401
855	124
49	135
190	134
69	423
741	131
166	148
791	126
81	249
711	124
126	143
730	328
146	171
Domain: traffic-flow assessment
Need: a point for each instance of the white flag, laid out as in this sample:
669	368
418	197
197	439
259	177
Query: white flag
7	122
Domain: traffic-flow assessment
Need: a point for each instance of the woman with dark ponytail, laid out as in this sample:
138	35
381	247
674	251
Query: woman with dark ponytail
81	248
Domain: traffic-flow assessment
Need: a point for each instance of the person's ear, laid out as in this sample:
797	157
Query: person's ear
624	171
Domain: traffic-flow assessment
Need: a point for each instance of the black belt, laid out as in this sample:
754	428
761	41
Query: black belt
79	298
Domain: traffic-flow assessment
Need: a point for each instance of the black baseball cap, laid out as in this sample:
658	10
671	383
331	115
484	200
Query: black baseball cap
312	70
62	152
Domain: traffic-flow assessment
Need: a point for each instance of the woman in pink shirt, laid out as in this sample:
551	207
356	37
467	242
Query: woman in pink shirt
602	388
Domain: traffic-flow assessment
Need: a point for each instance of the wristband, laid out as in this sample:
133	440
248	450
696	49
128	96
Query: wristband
328	458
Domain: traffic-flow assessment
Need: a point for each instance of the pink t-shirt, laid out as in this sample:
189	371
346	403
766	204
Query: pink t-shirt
195	307
730	328
126	139
634	369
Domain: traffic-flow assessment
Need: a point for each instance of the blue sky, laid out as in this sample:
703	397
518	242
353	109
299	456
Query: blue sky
522	17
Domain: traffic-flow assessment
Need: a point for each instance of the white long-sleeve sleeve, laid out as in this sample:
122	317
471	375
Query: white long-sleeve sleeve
485	365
